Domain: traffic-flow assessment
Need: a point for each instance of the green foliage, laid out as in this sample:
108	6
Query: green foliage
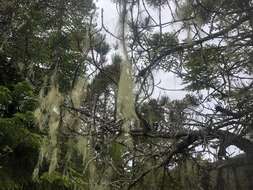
24	97
156	3
109	76
5	96
201	69
152	111
100	45
17	98
201	12
23	145
13	131
55	179
116	59
166	40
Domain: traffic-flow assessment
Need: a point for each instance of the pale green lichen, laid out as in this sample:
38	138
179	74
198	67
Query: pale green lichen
82	148
42	154
48	116
53	161
49	107
78	93
125	93
53	117
125	98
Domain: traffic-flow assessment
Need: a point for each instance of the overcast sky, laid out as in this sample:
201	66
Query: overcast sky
165	80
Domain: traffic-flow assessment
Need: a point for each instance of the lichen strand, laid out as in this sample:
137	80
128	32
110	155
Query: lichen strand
51	116
42	154
96	177
49	111
82	148
125	102
125	98
99	180
48	116
79	92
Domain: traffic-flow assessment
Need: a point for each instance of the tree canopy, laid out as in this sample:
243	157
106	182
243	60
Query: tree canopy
80	112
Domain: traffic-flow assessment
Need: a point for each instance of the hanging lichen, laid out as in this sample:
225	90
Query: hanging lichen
79	92
126	102
125	93
43	154
53	160
48	115
82	148
49	110
52	116
71	120
125	99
